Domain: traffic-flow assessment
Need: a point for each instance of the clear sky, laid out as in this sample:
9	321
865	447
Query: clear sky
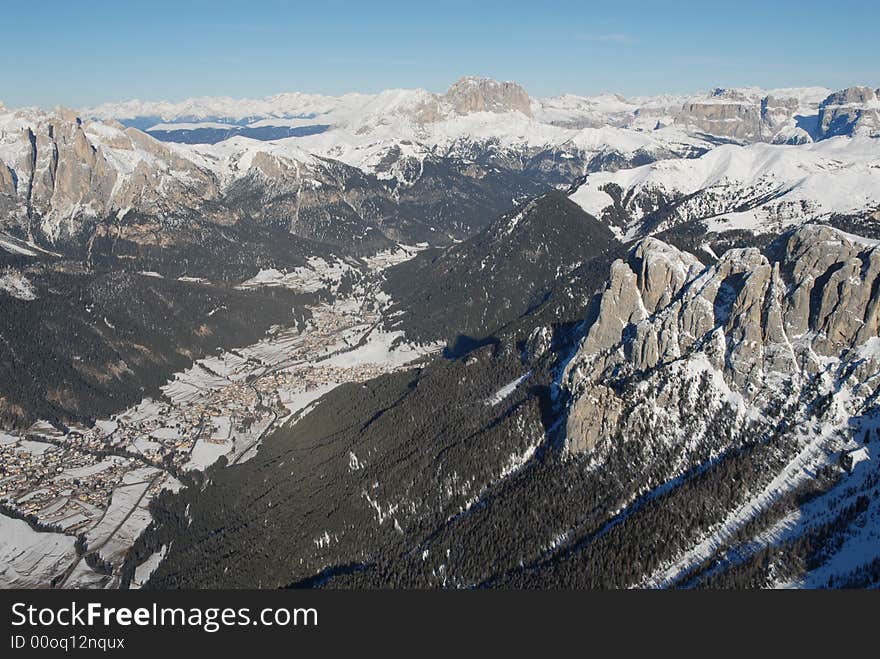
84	52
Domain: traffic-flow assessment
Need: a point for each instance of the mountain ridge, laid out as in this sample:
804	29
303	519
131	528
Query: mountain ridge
778	115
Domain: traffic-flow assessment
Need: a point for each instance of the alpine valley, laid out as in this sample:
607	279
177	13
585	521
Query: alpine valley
461	339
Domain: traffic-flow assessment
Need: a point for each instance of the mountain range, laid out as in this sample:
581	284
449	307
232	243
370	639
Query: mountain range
493	340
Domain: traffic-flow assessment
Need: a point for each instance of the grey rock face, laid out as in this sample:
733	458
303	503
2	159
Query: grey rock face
64	182
744	117
734	115
486	95
756	328
469	95
62	175
853	111
737	119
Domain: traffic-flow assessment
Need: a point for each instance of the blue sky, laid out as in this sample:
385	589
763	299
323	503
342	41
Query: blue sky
86	52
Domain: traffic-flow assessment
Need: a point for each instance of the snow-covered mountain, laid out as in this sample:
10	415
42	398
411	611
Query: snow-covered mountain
853	111
357	164
785	115
754	115
760	188
406	166
552	140
658	319
63	179
475	120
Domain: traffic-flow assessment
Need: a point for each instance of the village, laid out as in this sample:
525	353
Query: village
67	480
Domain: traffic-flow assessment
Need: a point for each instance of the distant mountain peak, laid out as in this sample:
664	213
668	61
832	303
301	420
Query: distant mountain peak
473	94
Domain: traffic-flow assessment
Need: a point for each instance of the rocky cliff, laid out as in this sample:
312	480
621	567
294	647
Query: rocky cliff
65	181
748	116
750	332
852	111
59	175
472	94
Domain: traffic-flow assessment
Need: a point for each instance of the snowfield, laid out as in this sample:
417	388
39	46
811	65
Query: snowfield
27	557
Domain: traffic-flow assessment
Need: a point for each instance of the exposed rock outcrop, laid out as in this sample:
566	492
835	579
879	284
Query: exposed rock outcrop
64	182
486	95
59	175
466	96
852	111
735	115
757	327
723	115
747	116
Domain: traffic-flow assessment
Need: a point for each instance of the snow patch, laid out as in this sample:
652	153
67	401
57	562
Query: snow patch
16	285
506	390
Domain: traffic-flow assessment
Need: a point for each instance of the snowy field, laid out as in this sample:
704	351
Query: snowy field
28	557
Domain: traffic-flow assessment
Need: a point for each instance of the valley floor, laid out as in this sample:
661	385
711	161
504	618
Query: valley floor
76	500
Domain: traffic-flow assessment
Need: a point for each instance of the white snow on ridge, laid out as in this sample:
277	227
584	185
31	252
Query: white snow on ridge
604	108
364	129
233	158
12	248
286	105
388	134
838	175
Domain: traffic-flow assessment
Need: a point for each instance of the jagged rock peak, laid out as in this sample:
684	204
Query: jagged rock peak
61	175
758	327
474	94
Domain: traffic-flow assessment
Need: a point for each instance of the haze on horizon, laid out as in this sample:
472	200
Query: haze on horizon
93	52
